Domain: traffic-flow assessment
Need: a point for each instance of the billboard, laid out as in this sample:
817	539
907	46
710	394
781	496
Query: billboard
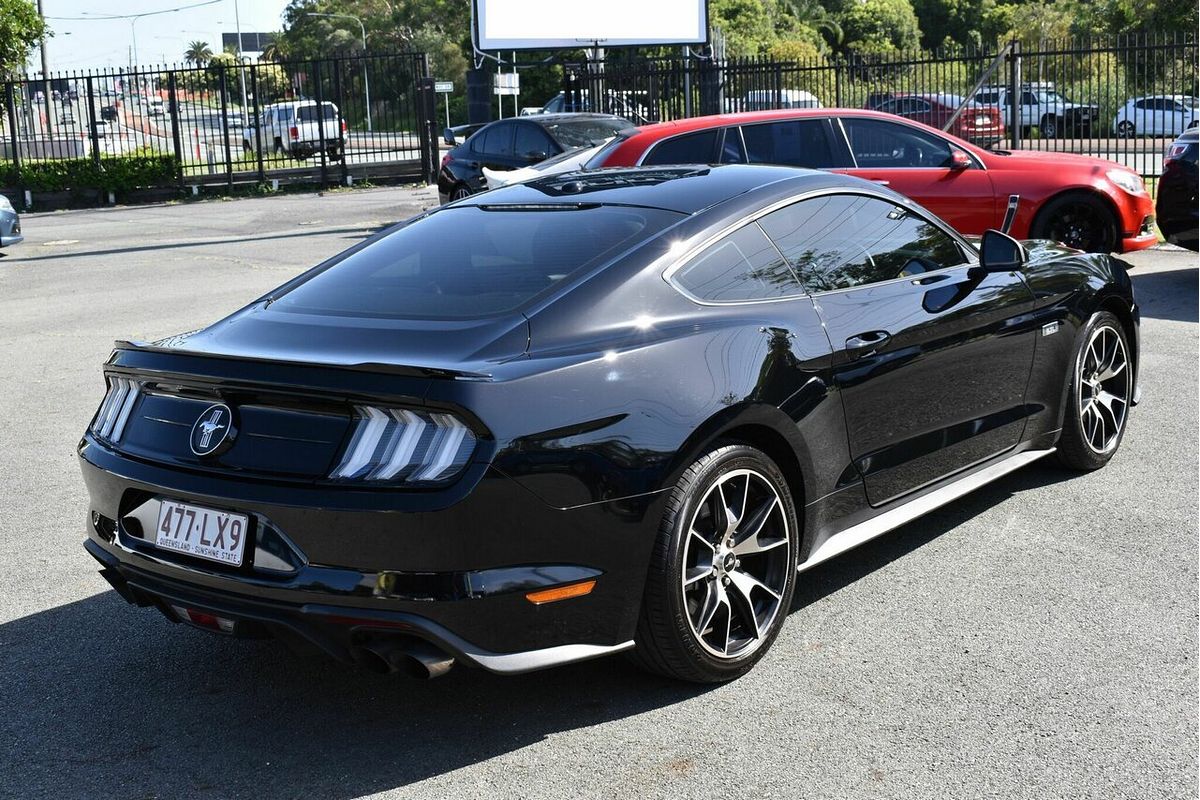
251	42
568	24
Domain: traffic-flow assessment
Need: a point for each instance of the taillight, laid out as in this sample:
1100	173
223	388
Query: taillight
344	128
1174	152
396	444
115	409
446	159
294	132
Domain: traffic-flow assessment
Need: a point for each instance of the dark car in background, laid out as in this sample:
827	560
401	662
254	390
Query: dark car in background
1176	206
978	123
598	412
520	142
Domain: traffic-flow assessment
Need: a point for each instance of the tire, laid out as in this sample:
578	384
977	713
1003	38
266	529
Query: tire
1126	129
460	191
1048	127
1094	426
278	146
710	611
246	149
1077	220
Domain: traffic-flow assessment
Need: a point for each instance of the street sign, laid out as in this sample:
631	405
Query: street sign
506	83
443	87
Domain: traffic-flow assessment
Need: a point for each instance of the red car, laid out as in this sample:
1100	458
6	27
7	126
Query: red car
978	123
1083	202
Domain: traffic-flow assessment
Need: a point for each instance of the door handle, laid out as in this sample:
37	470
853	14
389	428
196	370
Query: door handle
929	279
866	344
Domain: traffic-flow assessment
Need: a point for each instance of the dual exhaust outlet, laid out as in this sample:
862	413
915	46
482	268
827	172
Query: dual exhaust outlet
414	657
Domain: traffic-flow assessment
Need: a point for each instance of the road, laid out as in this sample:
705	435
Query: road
1037	639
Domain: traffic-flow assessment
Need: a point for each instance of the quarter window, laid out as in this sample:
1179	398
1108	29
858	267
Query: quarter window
843	240
796	143
691	148
881	144
742	266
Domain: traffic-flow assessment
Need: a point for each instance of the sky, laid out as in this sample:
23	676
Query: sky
83	39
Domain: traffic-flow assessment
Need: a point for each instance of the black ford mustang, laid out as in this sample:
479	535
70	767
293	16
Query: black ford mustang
601	412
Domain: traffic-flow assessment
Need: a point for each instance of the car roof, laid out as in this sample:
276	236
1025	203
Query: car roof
686	189
561	116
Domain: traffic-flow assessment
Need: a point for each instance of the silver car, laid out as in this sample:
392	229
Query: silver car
10	224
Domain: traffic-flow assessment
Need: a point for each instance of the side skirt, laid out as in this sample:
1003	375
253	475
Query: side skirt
893	518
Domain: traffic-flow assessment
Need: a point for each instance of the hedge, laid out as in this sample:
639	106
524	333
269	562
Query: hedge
115	174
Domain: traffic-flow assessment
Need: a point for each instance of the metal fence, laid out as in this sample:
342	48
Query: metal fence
329	121
1123	99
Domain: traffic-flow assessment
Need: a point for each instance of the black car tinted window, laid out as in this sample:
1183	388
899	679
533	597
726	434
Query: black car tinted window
796	143
840	241
494	140
532	142
691	148
741	266
878	143
467	261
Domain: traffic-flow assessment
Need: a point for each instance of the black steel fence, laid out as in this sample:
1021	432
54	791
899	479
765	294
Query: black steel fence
329	121
1122	99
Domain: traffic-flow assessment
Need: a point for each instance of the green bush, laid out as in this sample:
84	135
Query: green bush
117	174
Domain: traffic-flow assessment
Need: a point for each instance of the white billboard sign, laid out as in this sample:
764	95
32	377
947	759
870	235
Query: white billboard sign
564	24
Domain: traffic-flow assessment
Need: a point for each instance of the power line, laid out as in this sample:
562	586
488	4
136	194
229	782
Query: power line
94	17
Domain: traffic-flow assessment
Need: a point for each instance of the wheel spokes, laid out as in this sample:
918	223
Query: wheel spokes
747	538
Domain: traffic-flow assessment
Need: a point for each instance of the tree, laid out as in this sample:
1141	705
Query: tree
198	53
20	28
878	26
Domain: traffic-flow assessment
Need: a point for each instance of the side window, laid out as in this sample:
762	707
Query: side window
796	143
691	148
823	239
732	149
532	141
988	98
1028	99
1142	104
881	144
741	266
495	141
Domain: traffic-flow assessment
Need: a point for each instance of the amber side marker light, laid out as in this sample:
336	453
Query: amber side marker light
560	593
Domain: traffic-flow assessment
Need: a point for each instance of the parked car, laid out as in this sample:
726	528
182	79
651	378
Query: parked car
1043	108
460	133
765	99
566	161
109	113
978	123
297	128
155	107
10	224
519	142
1084	202
629	104
1177	188
595	413
1157	115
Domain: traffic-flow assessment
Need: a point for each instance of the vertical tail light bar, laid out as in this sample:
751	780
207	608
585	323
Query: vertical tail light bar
395	444
115	409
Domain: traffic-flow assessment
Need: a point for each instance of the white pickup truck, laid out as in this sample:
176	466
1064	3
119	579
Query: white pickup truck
1042	108
297	128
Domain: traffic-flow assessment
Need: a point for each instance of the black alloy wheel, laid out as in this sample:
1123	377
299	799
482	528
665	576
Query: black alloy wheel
460	191
723	570
1077	220
1100	393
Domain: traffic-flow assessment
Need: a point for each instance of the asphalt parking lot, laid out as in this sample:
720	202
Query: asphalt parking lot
1036	639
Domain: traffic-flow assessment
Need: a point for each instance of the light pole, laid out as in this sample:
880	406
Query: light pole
366	83
237	24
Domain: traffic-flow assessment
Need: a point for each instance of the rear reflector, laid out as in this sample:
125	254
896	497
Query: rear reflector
560	593
205	620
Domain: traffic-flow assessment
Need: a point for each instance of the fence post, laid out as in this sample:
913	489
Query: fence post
1014	94
838	67
320	122
427	124
93	133
176	134
256	111
339	102
224	84
10	106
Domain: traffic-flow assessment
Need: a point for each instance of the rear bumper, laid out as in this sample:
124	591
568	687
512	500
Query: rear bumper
333	569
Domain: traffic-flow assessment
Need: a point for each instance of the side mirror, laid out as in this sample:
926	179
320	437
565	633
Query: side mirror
999	252
536	155
959	160
448	137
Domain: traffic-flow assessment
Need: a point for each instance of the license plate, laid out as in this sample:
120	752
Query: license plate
202	532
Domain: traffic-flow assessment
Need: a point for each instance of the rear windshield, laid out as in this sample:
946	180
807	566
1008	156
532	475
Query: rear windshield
469	261
309	113
586	133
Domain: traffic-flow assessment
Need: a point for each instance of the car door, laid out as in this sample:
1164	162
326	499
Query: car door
808	142
1030	113
492	147
531	144
918	163
931	358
